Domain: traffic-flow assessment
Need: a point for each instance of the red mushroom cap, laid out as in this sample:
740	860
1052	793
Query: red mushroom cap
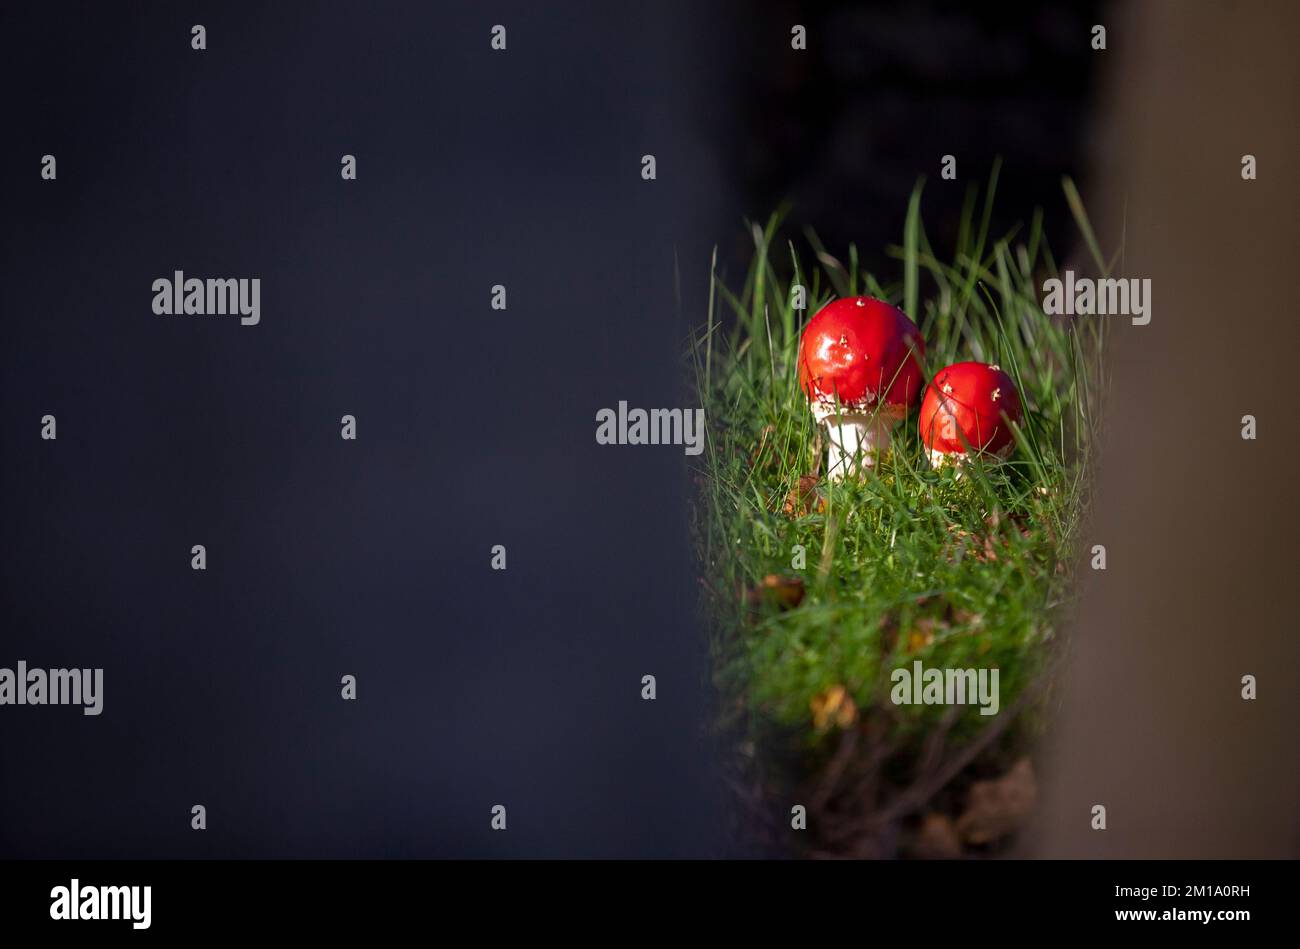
864	351
966	408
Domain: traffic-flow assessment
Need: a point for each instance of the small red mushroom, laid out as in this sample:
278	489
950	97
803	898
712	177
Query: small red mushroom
967	408
860	366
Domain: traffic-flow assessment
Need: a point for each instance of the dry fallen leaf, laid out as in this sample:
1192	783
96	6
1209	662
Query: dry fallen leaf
996	808
936	839
984	547
783	592
922	633
950	614
833	707
803	498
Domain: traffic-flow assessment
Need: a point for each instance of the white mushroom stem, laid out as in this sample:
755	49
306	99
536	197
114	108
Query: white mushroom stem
959	459
854	440
939	458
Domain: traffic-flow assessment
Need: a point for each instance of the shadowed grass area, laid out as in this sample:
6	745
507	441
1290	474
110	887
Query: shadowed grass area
908	564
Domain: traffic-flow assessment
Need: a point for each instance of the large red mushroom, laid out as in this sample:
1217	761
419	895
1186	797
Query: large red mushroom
860	366
968	408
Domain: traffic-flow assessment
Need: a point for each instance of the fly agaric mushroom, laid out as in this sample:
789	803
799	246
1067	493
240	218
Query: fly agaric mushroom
860	366
968	408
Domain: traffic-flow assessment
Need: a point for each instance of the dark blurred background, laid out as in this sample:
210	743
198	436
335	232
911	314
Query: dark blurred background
843	129
476	427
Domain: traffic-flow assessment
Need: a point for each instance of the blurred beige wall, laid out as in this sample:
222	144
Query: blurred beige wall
1200	527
